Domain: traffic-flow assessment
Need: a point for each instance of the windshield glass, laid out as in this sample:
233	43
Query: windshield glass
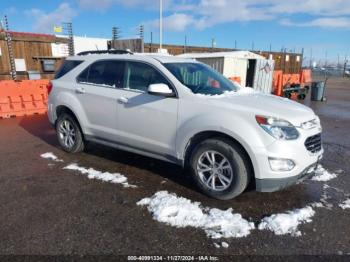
200	78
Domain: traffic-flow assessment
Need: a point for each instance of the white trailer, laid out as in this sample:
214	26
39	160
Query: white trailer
246	68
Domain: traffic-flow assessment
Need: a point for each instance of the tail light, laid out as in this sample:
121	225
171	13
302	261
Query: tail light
49	87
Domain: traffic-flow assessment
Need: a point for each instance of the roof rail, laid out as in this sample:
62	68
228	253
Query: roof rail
111	51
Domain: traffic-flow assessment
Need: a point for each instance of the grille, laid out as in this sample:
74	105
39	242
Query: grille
314	143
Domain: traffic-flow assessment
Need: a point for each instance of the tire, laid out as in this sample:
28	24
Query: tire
235	158
68	122
301	97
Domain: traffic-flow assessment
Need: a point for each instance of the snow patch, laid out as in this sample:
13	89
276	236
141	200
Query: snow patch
181	212
240	91
345	204
104	85
51	156
322	175
91	173
217	245
225	245
287	223
317	204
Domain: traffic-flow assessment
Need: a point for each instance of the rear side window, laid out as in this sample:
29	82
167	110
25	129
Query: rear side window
67	66
108	72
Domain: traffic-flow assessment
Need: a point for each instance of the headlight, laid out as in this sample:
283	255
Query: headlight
278	128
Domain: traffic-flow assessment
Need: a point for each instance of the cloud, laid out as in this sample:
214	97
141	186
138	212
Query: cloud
177	22
207	13
45	21
313	7
95	5
11	10
329	22
203	14
103	5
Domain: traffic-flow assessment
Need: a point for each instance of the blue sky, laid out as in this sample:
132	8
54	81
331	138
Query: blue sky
323	25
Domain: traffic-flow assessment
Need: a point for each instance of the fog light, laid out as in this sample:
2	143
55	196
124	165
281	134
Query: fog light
280	164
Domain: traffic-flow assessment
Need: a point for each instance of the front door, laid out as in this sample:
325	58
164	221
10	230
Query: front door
146	121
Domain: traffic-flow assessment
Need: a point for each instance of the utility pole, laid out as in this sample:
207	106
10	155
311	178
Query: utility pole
213	43
185	47
345	63
151	43
115	33
253	46
284	59
10	50
69	29
302	57
142	37
235	44
160	24
311	57
142	32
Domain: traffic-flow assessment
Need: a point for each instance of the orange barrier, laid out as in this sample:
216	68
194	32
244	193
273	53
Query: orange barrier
305	76
19	98
290	79
236	79
281	80
277	83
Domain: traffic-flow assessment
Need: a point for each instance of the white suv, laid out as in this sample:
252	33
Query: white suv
182	111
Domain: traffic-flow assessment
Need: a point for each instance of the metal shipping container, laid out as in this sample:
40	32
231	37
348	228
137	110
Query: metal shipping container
251	69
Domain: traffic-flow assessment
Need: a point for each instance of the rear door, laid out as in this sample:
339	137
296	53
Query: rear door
145	121
97	90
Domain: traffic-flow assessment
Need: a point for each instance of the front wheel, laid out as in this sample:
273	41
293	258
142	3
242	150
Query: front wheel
220	168
68	134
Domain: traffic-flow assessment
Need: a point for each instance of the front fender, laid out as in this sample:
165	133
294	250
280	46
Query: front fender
245	132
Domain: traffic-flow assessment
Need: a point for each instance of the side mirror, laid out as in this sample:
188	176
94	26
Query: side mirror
160	90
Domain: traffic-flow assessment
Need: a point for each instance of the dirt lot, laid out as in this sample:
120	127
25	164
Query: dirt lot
46	210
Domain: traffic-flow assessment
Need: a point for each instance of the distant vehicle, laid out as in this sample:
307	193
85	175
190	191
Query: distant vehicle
184	112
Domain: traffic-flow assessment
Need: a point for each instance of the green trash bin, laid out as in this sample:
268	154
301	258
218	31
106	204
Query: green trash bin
317	90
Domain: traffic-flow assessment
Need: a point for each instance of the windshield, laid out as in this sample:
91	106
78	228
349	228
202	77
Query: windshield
200	78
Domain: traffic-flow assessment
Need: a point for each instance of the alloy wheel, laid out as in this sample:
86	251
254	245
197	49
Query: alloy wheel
214	170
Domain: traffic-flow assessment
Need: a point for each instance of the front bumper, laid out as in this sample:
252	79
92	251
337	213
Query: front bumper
268	180
276	184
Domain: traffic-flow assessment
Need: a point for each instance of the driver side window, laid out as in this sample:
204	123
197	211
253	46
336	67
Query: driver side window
139	76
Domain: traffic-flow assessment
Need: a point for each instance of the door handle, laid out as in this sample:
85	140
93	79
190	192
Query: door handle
123	100
80	90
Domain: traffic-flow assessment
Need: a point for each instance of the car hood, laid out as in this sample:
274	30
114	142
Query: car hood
267	105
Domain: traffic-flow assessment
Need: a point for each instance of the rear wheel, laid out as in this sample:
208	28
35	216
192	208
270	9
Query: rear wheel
68	134
220	168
